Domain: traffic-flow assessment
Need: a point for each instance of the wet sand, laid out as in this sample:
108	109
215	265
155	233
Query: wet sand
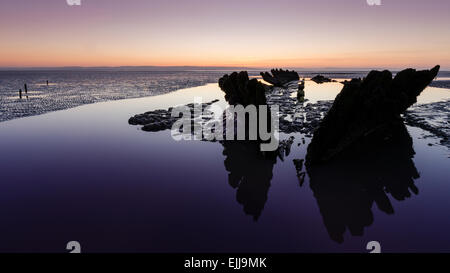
68	89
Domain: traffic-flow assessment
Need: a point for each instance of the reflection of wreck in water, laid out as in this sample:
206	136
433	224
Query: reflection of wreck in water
250	171
361	150
347	187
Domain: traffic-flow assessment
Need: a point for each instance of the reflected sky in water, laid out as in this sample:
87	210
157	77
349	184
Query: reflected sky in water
84	174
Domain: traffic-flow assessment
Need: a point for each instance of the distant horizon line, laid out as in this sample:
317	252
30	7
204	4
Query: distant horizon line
208	68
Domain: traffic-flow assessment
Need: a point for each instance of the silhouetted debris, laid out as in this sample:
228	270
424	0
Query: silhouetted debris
354	80
295	117
303	118
321	79
239	89
159	120
280	77
364	107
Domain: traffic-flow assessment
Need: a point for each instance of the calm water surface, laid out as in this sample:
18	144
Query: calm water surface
84	174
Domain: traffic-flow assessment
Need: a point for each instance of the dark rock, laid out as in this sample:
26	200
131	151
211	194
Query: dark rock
354	80
431	117
364	107
280	77
321	79
159	120
239	89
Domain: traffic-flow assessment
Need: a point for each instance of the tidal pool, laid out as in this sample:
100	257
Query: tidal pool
86	175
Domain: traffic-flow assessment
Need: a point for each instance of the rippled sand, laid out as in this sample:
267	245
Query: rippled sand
68	89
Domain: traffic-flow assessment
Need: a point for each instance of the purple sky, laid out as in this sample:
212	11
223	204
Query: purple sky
296	33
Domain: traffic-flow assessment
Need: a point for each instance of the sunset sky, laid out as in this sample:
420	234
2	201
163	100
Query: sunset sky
288	33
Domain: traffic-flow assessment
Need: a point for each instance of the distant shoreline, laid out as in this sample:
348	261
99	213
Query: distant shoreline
322	70
440	84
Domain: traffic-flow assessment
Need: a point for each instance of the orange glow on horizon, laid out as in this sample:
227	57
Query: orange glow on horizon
55	58
310	34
